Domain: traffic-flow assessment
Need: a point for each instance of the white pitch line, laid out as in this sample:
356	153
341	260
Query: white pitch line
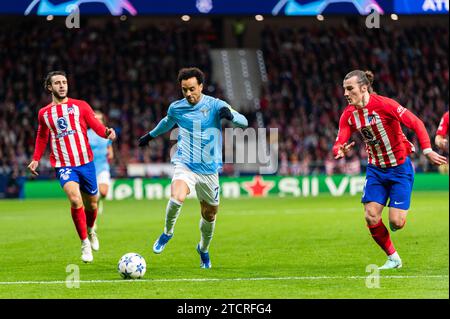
57	282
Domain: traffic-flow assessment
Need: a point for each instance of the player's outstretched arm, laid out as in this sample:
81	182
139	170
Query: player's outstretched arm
93	122
165	125
41	143
341	147
235	117
413	122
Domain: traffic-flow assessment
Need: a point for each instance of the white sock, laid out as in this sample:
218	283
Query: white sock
172	211
207	231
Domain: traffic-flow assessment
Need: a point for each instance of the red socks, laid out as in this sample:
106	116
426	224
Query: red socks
79	219
91	216
381	235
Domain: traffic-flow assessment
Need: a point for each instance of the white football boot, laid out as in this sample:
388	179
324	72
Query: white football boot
86	251
393	262
93	239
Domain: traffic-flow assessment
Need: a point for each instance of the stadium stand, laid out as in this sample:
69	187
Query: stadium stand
133	84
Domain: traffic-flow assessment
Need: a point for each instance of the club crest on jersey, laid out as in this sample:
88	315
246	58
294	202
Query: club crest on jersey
204	111
70	110
372	119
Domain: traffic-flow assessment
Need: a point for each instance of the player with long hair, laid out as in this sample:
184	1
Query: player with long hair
390	174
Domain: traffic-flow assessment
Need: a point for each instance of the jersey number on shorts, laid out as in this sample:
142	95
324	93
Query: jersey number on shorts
64	173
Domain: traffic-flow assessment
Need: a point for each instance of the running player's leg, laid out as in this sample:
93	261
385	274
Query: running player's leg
377	228
208	194
179	190
400	194
104	180
397	218
89	190
90	204
375	195
207	224
72	190
182	182
70	183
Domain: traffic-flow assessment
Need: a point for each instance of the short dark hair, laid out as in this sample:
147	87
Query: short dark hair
187	73
48	78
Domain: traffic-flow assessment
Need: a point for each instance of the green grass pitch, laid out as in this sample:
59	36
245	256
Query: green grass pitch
285	248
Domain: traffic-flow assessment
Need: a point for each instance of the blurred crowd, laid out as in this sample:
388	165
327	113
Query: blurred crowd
130	74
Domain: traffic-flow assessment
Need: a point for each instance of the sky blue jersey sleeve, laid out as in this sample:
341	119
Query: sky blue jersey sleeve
165	125
238	119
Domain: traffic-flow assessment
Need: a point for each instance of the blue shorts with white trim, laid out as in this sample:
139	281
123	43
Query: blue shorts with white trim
393	183
83	175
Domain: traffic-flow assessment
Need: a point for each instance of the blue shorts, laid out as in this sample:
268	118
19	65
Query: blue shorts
83	175
395	183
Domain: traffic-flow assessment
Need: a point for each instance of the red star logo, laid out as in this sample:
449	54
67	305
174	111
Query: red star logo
258	187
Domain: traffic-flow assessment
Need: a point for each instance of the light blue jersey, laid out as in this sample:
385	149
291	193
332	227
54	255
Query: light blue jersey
99	146
200	133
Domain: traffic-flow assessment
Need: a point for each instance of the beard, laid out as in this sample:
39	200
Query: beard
59	97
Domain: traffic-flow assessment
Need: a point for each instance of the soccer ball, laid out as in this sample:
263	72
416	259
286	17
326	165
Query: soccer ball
132	266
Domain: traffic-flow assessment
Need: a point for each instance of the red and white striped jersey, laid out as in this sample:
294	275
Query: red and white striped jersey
379	123
67	125
443	125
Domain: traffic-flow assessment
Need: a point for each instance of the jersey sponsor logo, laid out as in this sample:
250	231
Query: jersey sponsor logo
368	136
64	134
62	123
